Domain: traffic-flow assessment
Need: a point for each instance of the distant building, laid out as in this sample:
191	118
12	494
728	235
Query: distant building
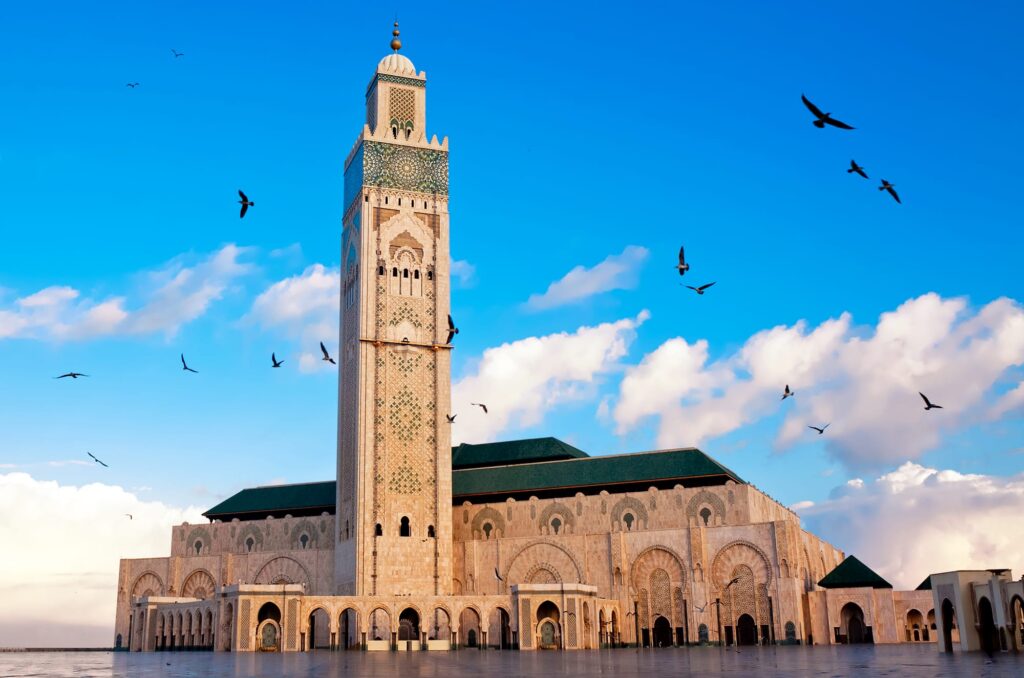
978	610
528	544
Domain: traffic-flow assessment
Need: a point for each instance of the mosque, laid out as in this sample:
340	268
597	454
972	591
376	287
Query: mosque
525	544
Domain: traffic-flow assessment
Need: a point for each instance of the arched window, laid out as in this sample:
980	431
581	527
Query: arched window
405	273
380	270
628	519
386	200
416	274
394	131
556	523
408	131
705	514
487	530
378	531
404	530
394	272
430	531
249	543
399	202
198	546
430	275
304	541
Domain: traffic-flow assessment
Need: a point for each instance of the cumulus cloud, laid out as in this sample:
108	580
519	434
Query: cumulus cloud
304	307
463	272
616	272
863	380
915	520
60	558
522	380
172	296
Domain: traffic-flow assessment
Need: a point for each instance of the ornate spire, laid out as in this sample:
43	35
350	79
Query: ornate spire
396	44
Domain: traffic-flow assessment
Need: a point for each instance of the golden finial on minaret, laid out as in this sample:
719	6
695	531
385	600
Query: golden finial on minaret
396	44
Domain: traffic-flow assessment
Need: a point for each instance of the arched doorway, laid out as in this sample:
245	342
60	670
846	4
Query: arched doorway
948	624
662	632
380	625
409	625
348	630
499	630
852	624
1017	622
915	626
746	630
440	628
987	627
268	631
469	627
549	637
319	630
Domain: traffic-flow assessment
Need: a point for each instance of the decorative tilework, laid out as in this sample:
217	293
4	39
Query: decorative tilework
405	312
244	626
405	168
293	615
661	601
399	80
525	627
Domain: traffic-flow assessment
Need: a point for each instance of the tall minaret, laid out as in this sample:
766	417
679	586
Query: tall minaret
394	504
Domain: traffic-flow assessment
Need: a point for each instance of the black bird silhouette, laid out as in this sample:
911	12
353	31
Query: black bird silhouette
700	290
184	365
129	516
481	406
682	266
822	119
273	359
133	85
452	329
498	576
734	580
886	186
854	167
176	53
73	375
820	430
97	460
245	203
450	418
327	356
928	405
787	393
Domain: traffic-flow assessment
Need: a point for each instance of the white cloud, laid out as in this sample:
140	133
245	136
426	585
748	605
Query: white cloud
60	557
616	272
173	296
864	382
916	520
304	307
522	380
463	272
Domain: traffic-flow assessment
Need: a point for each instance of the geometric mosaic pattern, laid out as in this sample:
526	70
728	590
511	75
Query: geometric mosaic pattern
402	107
399	80
404	168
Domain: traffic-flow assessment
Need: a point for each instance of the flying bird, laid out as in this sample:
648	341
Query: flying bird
73	375
734	580
701	608
682	266
822	119
97	460
452	329
176	53
481	406
928	405
450	418
787	393
245	203
820	430
854	167
185	367
498	576
886	186
273	359
700	290
133	85
327	356
129	516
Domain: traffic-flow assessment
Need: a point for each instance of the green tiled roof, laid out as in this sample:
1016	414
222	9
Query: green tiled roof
851	574
926	585
564	471
301	499
664	468
513	452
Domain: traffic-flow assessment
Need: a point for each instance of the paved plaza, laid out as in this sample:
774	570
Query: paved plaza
865	660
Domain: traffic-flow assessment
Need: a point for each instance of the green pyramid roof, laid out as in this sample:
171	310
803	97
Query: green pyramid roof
853	574
513	452
926	585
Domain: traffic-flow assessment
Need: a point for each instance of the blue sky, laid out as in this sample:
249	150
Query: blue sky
576	131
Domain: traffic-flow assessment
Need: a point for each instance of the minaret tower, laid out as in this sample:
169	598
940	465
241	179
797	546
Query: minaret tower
394	503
